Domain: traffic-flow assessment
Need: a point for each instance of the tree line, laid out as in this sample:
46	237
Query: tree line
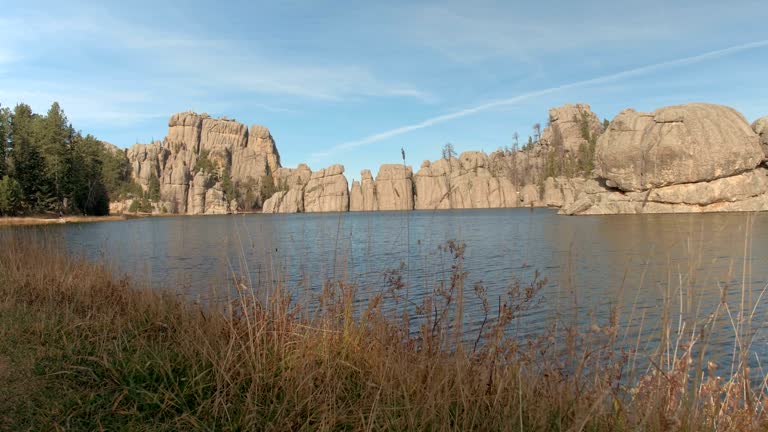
49	167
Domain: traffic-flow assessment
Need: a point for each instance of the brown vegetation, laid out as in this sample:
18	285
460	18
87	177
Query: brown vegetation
101	354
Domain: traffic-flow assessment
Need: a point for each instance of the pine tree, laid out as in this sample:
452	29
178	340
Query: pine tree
10	196
26	160
154	188
5	116
55	145
115	170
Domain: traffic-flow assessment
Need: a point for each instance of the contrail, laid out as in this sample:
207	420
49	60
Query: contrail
519	98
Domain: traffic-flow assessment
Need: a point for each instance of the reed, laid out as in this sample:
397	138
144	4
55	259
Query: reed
84	349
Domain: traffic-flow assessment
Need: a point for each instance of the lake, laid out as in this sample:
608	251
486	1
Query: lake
592	264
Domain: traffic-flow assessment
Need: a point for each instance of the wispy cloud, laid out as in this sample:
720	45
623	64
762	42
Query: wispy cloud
630	73
468	32
175	57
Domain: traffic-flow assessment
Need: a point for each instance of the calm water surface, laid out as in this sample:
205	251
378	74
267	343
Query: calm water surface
592	264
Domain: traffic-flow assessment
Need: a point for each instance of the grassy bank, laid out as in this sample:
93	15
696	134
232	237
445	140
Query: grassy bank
83	349
35	220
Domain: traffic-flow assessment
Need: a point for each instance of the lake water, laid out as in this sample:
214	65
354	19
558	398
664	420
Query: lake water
592	264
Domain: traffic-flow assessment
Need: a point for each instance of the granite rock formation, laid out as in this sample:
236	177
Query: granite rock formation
566	124
362	196
301	190
685	158
760	126
206	165
674	145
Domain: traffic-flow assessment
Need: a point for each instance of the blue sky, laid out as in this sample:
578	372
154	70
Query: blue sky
353	82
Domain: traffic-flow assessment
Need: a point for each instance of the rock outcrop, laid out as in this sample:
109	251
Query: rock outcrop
147	160
685	158
206	165
674	145
362	196
760	126
568	126
394	187
327	191
468	181
302	190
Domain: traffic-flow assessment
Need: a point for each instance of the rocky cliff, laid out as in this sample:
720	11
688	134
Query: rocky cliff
683	158
302	190
206	165
473	180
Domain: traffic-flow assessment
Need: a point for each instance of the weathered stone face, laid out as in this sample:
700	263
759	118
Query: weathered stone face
675	145
327	191
432	190
468	181
394	187
184	133
760	126
363	197
566	124
529	196
742	192
147	160
219	138
227	144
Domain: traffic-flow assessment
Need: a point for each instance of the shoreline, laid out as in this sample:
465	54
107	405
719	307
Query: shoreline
42	220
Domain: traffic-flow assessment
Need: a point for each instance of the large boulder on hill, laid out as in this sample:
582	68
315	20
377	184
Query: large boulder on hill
394	187
570	126
675	145
760	126
327	191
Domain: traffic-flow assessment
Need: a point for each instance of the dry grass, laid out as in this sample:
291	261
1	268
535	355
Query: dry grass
103	355
24	221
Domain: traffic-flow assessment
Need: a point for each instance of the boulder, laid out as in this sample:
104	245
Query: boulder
529	196
394	187
760	126
675	145
290	201
747	191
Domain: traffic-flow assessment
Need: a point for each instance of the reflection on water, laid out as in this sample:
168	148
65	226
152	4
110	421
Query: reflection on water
592	264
